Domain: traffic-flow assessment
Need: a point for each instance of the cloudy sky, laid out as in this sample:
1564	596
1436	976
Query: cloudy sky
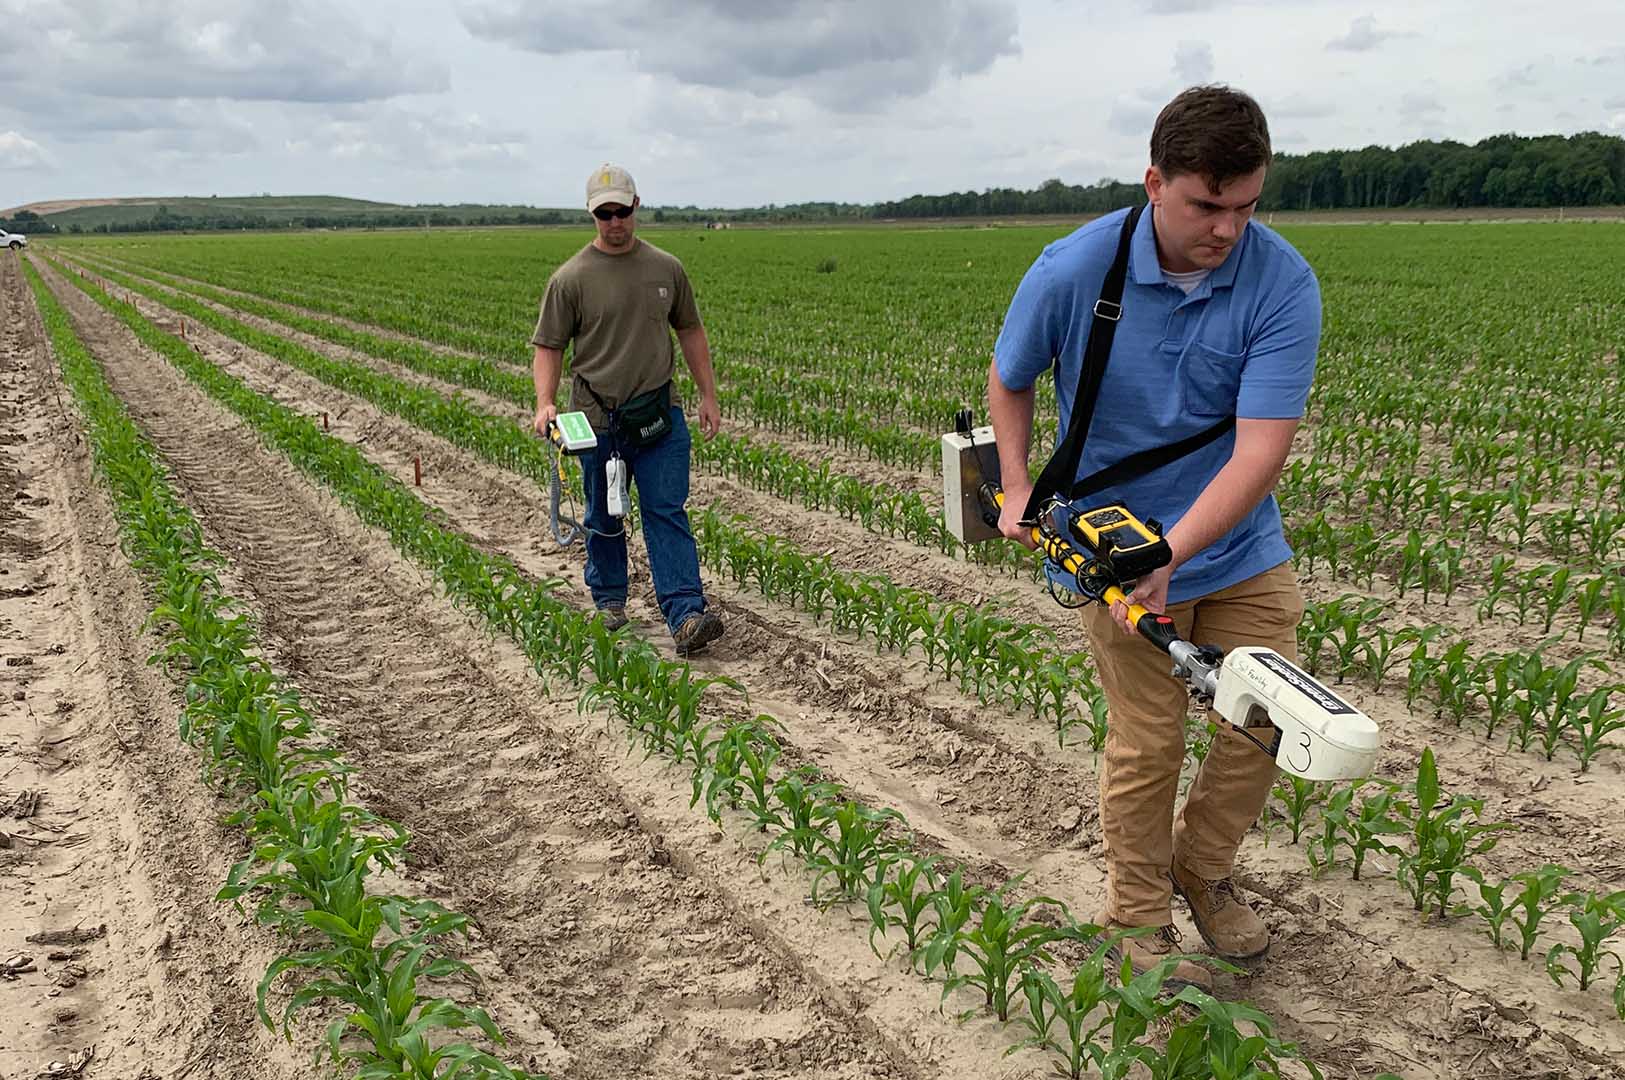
744	102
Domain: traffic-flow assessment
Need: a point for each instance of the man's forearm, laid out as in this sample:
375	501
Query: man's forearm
1011	413
545	368
697	355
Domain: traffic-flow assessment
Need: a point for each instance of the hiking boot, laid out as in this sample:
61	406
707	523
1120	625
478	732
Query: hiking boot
614	616
696	632
1147	951
1226	922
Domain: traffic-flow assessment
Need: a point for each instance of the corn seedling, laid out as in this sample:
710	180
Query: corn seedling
901	897
1594	720
1210	1046
1321	850
1492	905
1596	918
1533	902
1297	795
952	907
1442	839
1364	830
1001	944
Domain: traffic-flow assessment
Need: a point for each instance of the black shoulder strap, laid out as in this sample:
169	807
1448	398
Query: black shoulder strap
1059	475
1137	465
1063	466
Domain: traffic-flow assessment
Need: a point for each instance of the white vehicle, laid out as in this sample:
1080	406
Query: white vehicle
14	241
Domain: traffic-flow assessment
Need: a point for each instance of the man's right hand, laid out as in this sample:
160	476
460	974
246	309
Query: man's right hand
1015	504
545	415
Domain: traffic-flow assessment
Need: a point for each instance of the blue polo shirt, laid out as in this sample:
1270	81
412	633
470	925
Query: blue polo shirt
1243	343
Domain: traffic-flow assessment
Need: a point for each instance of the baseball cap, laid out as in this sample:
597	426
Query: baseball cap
610	183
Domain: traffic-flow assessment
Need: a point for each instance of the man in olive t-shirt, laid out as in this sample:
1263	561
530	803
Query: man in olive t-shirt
618	299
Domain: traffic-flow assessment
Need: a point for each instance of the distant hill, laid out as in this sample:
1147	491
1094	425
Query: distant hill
125	213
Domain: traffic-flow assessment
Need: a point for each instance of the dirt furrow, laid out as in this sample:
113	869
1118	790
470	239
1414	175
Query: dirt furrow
1566	818
981	787
110	844
643	939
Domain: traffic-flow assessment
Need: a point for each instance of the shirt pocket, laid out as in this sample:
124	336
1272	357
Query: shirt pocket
1212	380
657	300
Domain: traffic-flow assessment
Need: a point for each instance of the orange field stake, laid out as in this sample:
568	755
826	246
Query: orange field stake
417	470
183	329
324	421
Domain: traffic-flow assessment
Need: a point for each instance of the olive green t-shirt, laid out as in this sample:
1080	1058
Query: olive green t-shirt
619	310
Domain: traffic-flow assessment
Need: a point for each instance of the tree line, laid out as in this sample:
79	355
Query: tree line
1503	170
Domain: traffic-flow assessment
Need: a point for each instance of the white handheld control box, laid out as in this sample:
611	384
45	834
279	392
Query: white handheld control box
615	479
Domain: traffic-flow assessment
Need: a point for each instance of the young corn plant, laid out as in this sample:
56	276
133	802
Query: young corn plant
1321	850
1535	899
1495	589
901	897
952	908
1559	590
1596	918
1589	600
1594	720
1442	839
1297	795
1376	818
798	801
1492	906
1381	650
1001	943
737	766
1066	1021
844	844
1210	1046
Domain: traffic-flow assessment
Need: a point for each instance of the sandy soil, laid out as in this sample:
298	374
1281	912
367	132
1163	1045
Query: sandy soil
110	850
992	788
621	934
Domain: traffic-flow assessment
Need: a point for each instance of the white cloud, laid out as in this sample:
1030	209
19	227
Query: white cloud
18	151
1132	118
1193	61
1363	36
848	57
387	134
1417	105
244	50
742	102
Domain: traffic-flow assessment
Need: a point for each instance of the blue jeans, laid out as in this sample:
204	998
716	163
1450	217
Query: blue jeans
660	473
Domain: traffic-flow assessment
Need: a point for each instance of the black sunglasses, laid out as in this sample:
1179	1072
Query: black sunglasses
604	213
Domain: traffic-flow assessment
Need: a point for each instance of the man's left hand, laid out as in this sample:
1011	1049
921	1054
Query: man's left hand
710	417
1150	592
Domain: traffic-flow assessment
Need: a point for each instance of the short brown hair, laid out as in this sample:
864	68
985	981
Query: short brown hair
1212	131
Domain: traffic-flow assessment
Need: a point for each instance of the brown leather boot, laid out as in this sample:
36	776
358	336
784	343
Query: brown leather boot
1226	922
1146	951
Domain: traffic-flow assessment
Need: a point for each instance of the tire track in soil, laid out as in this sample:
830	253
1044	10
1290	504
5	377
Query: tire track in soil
974	796
1574	823
110	830
636	966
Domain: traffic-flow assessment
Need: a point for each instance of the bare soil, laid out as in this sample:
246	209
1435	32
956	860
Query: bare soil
520	807
110	847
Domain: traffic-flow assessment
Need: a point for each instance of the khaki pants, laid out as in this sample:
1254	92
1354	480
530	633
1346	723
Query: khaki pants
1145	746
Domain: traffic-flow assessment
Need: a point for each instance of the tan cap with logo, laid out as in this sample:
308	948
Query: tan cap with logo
610	184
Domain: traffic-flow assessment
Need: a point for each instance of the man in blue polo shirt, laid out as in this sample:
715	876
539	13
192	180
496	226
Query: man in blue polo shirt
1220	318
